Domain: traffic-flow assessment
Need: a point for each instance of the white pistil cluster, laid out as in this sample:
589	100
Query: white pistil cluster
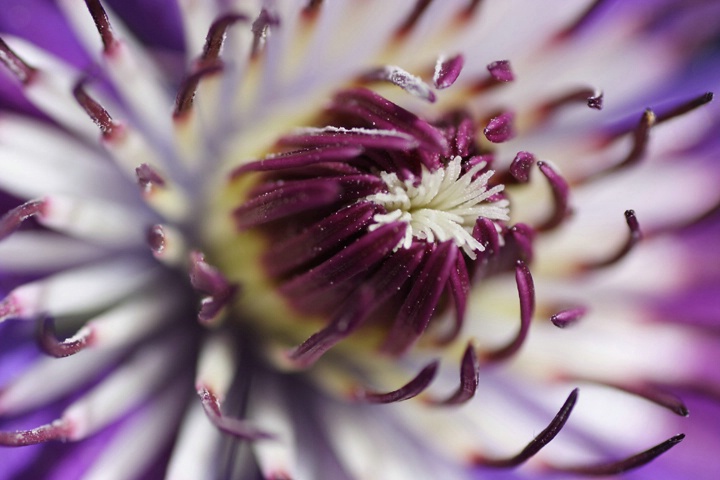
444	205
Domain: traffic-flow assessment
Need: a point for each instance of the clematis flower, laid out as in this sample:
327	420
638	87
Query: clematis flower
387	240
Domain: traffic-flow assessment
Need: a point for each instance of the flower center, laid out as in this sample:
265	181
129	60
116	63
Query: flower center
441	205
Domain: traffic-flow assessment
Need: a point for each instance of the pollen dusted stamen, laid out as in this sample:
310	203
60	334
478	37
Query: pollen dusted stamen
413	85
15	217
216	37
186	93
441	205
52	346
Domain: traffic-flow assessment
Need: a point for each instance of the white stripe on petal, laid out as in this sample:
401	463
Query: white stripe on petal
194	455
78	290
123	389
44	251
141	440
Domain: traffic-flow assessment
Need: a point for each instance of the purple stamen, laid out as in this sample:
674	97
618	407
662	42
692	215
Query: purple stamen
400	78
412	19
95	111
686	107
567	317
633	238
414	315
522	237
319	239
537	443
15	217
216	37
232	426
411	389
300	158
260	29
447	71
58	430
50	344
579	22
102	24
501	71
500	129
286	199
486	233
148	178
469	379
353	260
653	394
156	239
379	112
459	289
186	93
590	97
357	137
622	466
209	281
641	136
17	66
526	292
560	193
521	165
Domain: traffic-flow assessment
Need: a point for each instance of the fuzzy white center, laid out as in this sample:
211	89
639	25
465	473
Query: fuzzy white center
442	206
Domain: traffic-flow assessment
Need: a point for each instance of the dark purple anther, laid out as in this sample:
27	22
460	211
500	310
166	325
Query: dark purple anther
50	344
411	389
12	219
537	443
568	316
596	101
209	281
186	93
17	66
469	379
686	107
260	29
232	426
523	236
500	129
501	71
412	19
625	465
400	78
526	292
94	110
560	192
216	37
422	300
148	177
58	430
102	24
635	235
156	239
520	166
447	71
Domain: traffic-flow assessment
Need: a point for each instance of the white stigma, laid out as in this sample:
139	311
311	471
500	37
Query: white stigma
442	206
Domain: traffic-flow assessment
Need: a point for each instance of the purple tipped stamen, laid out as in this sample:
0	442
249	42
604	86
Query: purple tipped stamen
501	71
526	292
500	129
261	29
57	430
447	71
52	346
95	111
400	78
634	237
17	66
568	317
622	466
216	37
469	379
232	426
15	217
521	165
411	389
102	23
207	280
186	93
537	443
560	192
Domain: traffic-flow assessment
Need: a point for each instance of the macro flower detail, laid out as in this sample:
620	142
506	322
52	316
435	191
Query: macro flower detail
258	239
